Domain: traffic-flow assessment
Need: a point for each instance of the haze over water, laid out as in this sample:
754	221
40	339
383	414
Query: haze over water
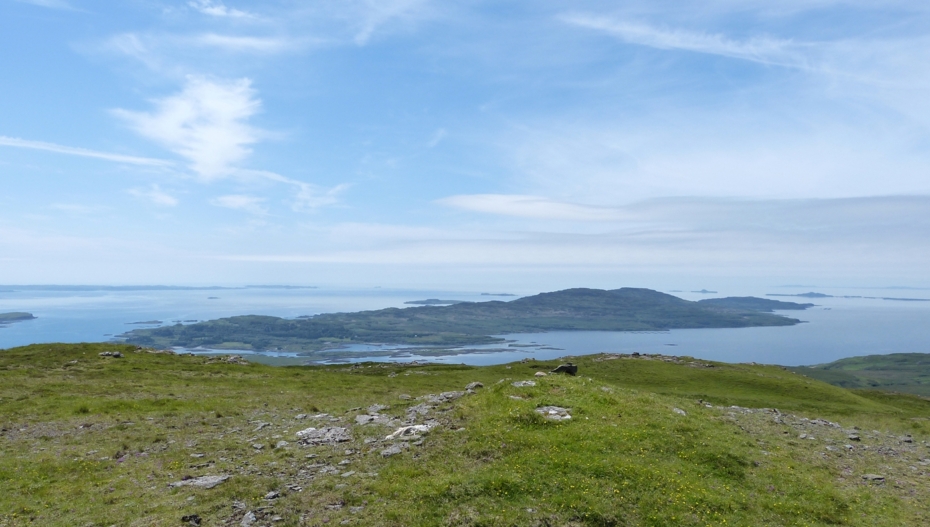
835	328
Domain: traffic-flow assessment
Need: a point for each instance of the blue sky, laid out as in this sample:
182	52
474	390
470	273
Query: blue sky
527	144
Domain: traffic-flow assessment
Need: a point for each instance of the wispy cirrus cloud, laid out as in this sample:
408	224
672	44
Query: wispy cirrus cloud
306	197
155	195
82	152
239	43
243	202
372	15
218	9
206	123
535	207
761	49
51	4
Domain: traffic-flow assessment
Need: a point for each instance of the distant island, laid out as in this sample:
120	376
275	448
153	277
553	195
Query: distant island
434	302
146	322
754	304
822	295
498	294
471	323
705	292
16	316
803	295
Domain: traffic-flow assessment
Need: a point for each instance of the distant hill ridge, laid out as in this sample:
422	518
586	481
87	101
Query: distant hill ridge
625	309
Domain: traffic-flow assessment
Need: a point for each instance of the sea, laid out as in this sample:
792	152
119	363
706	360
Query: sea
851	322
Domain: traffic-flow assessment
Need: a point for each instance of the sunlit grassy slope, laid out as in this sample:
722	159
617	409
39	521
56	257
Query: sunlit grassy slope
898	372
91	440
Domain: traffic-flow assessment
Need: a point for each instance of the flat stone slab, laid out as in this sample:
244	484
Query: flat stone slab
554	413
322	436
203	482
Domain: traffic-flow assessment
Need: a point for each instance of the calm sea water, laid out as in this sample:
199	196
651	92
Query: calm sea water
836	328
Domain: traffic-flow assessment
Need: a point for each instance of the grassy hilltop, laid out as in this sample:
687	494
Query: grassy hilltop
87	439
467	323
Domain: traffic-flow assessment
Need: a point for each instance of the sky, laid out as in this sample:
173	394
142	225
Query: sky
527	145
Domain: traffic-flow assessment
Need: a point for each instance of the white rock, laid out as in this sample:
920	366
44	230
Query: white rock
409	431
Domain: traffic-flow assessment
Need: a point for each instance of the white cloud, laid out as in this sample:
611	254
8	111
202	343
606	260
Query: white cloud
218	9
374	14
156	195
82	152
52	4
530	207
311	197
204	123
437	137
250	204
236	43
757	49
307	196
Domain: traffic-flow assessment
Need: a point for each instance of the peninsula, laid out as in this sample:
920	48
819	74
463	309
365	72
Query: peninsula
469	323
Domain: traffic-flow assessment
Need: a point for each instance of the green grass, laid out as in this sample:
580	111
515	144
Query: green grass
896	372
96	441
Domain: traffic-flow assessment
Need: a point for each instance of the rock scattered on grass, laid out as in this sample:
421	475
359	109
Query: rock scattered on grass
391	451
474	386
679	411
324	436
554	413
203	482
875	478
521	384
409	431
114	354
